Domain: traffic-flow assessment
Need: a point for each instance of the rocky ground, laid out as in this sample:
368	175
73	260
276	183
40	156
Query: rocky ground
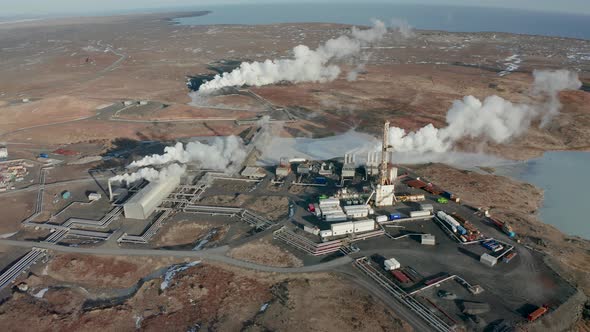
205	297
264	253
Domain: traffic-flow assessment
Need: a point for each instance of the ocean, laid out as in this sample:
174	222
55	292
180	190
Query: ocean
447	18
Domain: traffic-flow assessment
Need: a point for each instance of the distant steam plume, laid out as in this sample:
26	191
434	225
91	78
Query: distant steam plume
493	119
307	65
151	174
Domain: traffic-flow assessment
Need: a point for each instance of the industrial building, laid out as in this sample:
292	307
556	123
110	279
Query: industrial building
349	227
283	169
255	173
372	165
349	167
145	202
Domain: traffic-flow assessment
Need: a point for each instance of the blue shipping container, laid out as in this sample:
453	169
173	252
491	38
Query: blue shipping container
43	155
320	180
394	216
461	230
447	194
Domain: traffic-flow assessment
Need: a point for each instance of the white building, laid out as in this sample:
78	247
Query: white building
349	227
391	264
94	197
3	153
488	259
145	202
428	239
384	195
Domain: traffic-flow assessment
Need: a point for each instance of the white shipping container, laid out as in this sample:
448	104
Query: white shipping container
357	214
381	219
392	264
414	214
488	259
329	201
364	226
336	217
342	228
325	233
356	207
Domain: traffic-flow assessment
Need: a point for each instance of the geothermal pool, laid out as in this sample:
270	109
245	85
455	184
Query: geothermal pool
564	177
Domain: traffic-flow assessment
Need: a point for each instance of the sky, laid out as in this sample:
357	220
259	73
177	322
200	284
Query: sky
56	7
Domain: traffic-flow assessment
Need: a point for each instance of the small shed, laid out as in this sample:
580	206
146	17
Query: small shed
428	239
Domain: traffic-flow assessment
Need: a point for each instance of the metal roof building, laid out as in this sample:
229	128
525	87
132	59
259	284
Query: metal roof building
145	202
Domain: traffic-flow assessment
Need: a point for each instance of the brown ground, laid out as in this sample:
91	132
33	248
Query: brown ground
215	298
264	253
46	111
273	207
181	232
14	208
101	272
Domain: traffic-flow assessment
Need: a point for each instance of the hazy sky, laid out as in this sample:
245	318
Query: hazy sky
40	7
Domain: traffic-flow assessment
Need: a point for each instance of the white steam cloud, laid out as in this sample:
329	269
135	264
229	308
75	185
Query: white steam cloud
151	174
221	154
307	65
493	119
224	154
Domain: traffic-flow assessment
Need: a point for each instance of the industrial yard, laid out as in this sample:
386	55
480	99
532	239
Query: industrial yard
144	210
384	223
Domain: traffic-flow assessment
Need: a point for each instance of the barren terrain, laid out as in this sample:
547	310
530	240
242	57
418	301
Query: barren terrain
70	69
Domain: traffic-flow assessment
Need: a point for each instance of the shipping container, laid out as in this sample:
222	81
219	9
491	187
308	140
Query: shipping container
414	214
509	257
395	216
442	200
311	207
416	184
336	217
461	230
533	316
391	264
320	180
427	207
381	219
43	155
325	233
400	276
364	225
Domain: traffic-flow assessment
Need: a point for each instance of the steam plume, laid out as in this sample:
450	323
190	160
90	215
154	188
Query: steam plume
493	119
221	154
151	174
306	66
